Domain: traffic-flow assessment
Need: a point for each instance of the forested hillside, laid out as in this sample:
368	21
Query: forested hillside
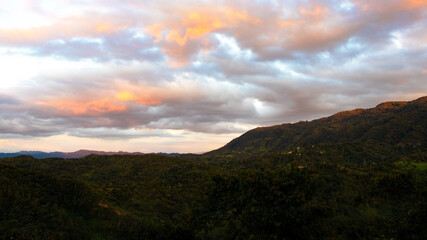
274	196
396	124
355	175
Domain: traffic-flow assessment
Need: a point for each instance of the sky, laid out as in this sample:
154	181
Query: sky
189	76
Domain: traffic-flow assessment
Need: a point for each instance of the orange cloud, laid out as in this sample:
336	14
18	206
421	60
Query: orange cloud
316	13
237	17
125	96
195	25
410	4
100	106
93	108
104	28
140	98
177	37
148	101
155	30
285	23
2	140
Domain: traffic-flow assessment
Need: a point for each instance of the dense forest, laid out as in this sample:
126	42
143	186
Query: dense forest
355	175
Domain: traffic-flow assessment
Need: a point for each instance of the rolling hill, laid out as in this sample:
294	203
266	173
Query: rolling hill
398	124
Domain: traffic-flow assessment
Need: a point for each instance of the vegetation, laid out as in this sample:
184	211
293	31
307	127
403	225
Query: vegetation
393	124
360	187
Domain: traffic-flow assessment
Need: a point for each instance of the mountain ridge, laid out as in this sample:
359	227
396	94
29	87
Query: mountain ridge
396	123
77	154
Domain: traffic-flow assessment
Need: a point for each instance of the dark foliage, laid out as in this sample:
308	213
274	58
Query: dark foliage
355	175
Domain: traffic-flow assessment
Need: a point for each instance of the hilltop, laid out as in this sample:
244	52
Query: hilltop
397	124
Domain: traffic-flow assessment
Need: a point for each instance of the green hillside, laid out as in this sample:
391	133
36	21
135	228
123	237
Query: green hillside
398	124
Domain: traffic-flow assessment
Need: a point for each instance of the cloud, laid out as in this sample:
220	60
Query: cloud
271	34
115	69
125	45
271	31
6	99
389	6
114	133
71	27
191	33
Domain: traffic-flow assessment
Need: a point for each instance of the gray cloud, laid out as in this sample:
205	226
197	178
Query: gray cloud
6	99
321	59
125	45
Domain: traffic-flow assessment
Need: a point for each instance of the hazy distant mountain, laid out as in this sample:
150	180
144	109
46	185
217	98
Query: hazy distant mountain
83	153
402	124
36	154
77	154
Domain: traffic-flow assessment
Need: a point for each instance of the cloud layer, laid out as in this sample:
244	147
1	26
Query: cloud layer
135	70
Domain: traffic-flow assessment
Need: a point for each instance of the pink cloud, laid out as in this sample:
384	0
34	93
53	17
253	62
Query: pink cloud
82	27
116	97
83	108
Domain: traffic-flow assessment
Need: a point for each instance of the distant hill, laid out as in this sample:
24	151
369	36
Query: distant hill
76	154
35	154
398	124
